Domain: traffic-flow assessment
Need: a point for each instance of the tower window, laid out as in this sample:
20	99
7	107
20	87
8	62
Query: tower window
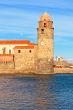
29	51
19	51
42	31
44	24
44	19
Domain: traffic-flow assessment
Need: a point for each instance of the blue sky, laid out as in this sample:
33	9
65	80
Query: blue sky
19	20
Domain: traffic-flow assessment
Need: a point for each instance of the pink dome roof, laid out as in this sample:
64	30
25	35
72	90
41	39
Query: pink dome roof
45	16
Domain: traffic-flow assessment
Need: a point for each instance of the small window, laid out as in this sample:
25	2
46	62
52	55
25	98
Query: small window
29	51
19	51
42	31
44	24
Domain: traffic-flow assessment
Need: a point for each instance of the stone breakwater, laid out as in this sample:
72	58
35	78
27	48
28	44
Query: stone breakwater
63	70
22	72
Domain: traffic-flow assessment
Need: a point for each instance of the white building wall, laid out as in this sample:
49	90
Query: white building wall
9	47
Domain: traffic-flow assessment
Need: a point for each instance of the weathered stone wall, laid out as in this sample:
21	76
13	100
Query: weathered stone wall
45	45
44	66
63	70
25	61
6	67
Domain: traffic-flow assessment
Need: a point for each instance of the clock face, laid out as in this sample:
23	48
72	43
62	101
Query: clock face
42	43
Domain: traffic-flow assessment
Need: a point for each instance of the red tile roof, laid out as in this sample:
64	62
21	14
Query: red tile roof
6	54
2	42
24	47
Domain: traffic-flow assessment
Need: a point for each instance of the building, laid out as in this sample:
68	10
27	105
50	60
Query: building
24	56
58	62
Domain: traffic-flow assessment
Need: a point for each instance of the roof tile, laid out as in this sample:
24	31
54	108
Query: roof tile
24	47
2	42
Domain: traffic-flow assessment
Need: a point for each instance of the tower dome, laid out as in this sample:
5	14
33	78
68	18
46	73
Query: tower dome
45	16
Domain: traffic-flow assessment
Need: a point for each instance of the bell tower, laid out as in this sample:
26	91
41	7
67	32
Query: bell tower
45	48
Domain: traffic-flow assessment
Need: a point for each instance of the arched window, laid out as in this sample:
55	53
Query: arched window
45	25
4	50
42	31
29	51
9	51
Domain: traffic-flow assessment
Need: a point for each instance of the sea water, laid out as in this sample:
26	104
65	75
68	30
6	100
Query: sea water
50	92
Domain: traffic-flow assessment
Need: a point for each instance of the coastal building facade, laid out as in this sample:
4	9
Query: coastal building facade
27	57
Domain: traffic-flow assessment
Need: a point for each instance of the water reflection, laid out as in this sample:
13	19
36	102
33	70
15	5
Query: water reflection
25	93
42	97
36	93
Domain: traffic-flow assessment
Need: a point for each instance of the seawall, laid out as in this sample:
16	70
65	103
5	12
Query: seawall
63	70
22	72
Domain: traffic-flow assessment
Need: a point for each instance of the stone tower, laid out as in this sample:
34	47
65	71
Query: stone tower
45	45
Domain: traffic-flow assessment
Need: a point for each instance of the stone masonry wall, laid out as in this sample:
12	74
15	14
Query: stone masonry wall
25	61
6	67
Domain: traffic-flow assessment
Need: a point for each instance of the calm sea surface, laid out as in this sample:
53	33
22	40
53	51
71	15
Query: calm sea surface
51	92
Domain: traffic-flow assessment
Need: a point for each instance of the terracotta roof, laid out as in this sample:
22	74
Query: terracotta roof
24	47
2	42
6	54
